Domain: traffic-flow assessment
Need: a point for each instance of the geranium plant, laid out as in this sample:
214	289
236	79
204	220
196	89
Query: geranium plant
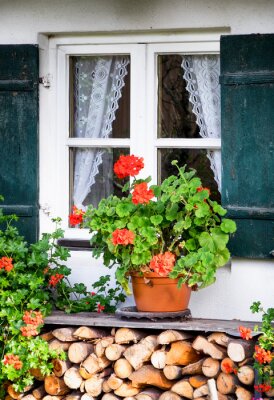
264	350
173	229
33	280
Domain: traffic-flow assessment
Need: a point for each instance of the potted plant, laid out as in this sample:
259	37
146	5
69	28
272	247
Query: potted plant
172	232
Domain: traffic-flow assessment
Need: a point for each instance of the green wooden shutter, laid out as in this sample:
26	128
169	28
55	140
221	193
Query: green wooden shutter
247	98
19	135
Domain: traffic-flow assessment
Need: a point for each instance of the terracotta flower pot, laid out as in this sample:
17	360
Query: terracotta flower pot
160	294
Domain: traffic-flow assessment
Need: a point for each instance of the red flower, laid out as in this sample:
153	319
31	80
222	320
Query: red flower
245	332
54	279
128	166
6	263
262	387
141	194
92	293
262	356
29	330
122	236
201	188
228	368
76	217
33	318
100	308
162	264
13	360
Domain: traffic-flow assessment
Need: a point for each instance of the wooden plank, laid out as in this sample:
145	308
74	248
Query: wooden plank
110	320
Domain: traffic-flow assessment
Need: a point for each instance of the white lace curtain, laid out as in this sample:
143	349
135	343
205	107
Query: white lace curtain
201	73
98	82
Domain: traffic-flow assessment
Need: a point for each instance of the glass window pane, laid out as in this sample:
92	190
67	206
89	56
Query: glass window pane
175	116
100	96
193	158
91	175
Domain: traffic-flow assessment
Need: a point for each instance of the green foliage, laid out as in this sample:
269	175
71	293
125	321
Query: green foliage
265	341
182	220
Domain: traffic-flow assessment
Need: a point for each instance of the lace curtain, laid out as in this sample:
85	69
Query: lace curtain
98	82
202	76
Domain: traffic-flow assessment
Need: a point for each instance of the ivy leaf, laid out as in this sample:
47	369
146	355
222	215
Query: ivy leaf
228	226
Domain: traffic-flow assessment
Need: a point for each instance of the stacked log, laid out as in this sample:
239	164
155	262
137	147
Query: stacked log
133	364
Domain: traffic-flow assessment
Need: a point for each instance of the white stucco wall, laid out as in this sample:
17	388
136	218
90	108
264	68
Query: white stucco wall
21	21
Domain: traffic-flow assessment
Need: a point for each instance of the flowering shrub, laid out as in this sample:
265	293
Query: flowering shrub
264	351
34	279
173	229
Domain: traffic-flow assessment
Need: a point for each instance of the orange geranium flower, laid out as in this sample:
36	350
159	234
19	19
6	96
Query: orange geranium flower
33	318
162	263
263	356
122	236
13	360
245	332
29	330
76	217
201	188
128	166
54	279
141	194
6	263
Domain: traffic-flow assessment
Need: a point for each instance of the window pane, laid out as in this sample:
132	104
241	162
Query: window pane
193	158
175	116
91	175
100	96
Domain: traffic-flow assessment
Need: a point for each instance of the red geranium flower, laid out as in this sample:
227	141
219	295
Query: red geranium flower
13	360
29	330
54	279
262	356
128	166
201	188
33	318
122	236
162	263
245	332
141	194
76	217
100	308
6	263
228	369
262	387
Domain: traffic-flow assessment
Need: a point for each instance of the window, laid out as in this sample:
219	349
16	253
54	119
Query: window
138	97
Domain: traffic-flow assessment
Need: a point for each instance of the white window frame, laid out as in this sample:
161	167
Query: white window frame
54	108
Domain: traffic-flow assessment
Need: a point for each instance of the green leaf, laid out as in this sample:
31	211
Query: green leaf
124	209
220	238
171	212
141	258
156	219
228	226
190	244
206	241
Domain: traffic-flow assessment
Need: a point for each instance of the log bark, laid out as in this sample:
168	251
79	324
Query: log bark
72	378
114	382
246	375
122	368
172	372
226	383
17	395
182	353
219	338
127	335
239	349
94	385
47	336
197	381
138	354
55	386
211	367
169	395
102	344
37	374
60	367
183	388
149	394
65	334
158	359
213	350
39	392
114	351
79	351
148	375
243	394
171	335
194	368
126	390
94	364
87	333
200	392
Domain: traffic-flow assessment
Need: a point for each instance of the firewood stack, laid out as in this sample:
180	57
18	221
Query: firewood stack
133	364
